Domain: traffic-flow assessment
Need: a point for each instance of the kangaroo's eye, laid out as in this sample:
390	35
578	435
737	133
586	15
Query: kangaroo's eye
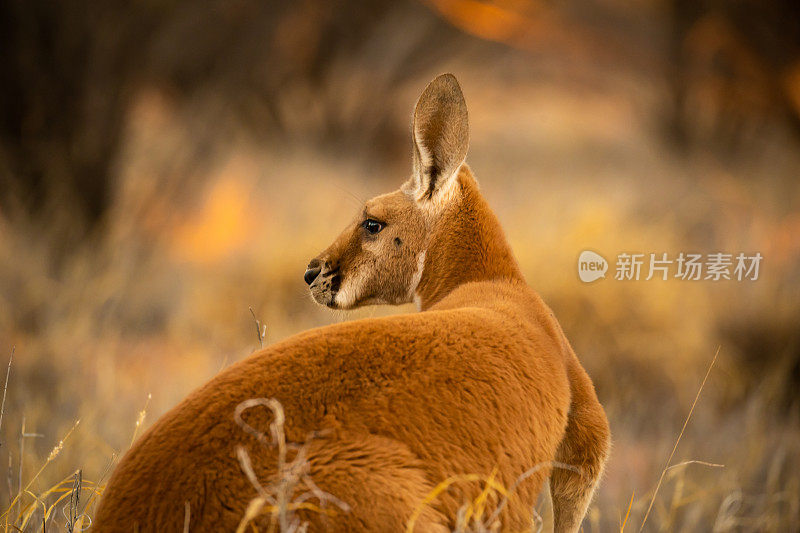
372	226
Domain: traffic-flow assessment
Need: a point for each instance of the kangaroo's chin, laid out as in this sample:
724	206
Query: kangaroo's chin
333	305
342	302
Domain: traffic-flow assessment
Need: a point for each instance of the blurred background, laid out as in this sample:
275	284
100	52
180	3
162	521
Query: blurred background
167	165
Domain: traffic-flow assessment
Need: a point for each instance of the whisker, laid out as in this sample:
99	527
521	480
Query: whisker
359	201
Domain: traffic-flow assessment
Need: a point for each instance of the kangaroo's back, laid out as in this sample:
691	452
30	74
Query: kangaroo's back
354	427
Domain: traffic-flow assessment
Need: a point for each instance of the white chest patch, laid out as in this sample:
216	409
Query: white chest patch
412	288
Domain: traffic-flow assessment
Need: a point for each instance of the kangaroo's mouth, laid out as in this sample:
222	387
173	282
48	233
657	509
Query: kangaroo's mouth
325	288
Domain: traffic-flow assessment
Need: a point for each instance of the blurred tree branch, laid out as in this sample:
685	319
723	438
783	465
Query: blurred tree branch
324	72
70	70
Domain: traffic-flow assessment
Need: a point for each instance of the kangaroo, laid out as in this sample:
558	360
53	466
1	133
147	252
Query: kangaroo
481	381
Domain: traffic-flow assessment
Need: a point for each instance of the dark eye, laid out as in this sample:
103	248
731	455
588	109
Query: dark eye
372	226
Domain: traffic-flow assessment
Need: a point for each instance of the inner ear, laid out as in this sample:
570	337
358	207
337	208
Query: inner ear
440	132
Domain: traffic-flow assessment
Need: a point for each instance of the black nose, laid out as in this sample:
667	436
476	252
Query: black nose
312	272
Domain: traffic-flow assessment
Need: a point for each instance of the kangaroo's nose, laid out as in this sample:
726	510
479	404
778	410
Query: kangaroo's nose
312	271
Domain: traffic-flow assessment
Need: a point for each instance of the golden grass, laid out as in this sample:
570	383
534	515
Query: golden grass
278	499
669	466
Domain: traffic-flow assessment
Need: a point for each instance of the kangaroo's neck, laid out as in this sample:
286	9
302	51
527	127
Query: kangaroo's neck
467	245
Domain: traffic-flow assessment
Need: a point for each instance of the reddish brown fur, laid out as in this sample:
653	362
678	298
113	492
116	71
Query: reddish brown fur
482	379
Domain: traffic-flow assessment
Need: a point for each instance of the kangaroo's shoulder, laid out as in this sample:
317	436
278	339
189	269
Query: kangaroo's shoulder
397	332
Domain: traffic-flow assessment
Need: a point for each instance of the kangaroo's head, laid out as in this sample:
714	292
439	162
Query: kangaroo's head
380	257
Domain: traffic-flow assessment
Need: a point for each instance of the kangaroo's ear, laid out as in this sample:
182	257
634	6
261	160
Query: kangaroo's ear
440	131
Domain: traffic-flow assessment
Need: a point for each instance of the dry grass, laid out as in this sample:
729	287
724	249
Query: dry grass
484	513
669	464
278	499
